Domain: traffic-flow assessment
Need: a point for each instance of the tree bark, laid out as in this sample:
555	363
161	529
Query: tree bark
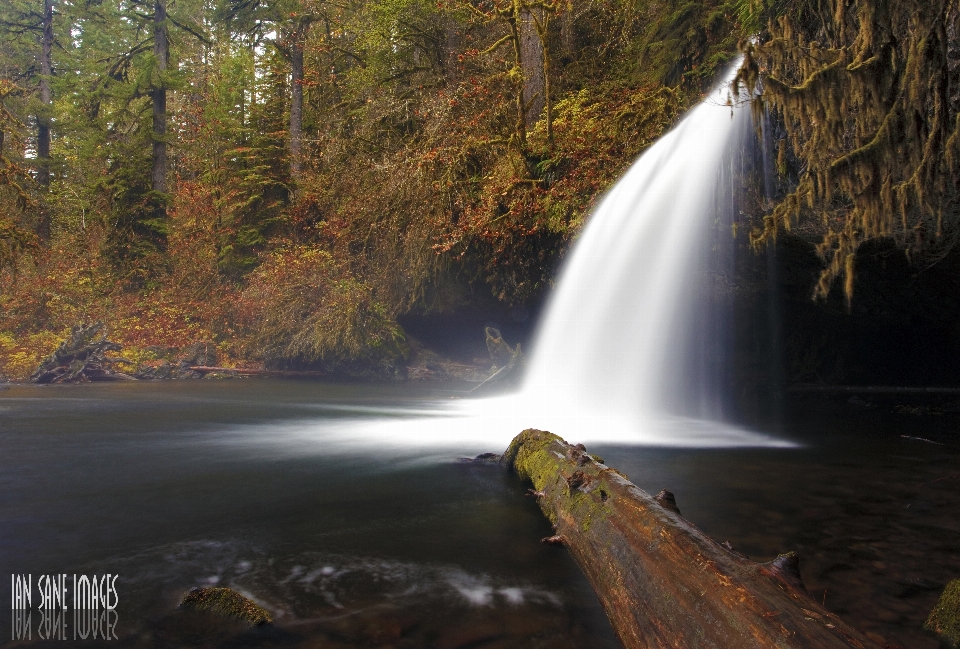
161	51
543	35
661	581
296	99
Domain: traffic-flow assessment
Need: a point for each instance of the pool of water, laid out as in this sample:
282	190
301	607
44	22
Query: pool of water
282	491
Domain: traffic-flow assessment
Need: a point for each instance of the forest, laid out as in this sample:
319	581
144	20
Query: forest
290	179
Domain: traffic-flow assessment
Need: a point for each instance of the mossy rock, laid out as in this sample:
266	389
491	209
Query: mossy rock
944	620
226	602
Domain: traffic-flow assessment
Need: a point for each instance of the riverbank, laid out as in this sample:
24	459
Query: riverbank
86	354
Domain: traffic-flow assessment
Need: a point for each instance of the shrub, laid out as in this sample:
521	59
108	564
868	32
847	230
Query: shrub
304	310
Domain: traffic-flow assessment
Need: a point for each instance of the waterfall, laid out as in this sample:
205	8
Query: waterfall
630	345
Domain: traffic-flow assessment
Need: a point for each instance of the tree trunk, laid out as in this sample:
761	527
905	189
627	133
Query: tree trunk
543	35
515	20
161	51
531	60
568	39
296	100
661	581
451	49
43	119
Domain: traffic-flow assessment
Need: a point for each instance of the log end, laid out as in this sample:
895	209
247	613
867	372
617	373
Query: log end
529	440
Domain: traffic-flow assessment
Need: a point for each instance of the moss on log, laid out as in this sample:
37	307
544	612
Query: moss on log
661	581
944	620
226	602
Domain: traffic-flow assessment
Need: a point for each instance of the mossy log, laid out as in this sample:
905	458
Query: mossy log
662	581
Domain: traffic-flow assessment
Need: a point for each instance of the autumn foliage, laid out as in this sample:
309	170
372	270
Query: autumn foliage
414	183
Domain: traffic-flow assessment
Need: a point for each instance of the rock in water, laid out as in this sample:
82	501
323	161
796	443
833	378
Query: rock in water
176	363
226	602
484	458
944	619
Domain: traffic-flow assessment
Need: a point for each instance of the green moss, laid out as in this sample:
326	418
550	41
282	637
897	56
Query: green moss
542	458
944	620
226	602
522	454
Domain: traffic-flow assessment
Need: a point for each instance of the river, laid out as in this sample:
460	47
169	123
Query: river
281	490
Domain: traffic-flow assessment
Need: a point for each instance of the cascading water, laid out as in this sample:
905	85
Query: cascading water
628	347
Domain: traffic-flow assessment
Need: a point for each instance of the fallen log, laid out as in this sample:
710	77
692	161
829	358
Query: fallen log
245	371
662	581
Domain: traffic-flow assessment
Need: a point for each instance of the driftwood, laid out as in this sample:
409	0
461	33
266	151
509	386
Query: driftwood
661	581
82	357
500	352
242	371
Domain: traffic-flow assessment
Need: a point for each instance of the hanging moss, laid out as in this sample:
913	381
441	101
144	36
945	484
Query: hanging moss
868	97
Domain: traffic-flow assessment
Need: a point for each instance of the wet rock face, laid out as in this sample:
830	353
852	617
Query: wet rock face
199	353
944	620
226	602
164	370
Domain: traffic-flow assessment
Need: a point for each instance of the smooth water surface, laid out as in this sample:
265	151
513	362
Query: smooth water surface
251	484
